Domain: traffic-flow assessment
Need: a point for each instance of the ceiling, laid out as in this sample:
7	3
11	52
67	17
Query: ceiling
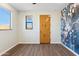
38	6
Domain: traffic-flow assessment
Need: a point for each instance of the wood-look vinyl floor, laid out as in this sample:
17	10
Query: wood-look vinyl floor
38	50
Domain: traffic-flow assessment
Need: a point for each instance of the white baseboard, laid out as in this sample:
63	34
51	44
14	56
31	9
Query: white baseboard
38	42
70	50
29	43
55	43
8	49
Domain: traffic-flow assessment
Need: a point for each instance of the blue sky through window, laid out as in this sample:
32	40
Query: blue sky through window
5	16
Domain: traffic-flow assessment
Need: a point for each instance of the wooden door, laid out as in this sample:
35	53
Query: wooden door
44	29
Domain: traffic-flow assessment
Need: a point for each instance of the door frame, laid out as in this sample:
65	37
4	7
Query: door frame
50	27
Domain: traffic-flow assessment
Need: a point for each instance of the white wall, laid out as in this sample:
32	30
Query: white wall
33	36
8	38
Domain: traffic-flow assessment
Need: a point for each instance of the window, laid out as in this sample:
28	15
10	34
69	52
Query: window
29	22
5	19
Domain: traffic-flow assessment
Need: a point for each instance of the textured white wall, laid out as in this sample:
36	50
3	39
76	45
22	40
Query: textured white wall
8	38
33	36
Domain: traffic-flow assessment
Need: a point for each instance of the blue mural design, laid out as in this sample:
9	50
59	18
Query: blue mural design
70	27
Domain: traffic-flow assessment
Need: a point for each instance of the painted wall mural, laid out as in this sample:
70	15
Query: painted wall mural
70	26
